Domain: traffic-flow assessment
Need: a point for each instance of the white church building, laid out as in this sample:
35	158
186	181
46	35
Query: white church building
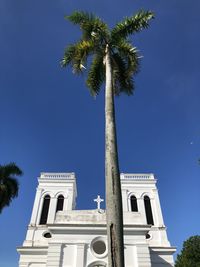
61	236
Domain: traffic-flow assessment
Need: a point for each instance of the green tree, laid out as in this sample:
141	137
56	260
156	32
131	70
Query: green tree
9	186
190	253
114	61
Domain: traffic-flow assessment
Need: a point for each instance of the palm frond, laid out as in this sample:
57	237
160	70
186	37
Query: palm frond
80	17
122	80
131	25
4	197
9	186
9	169
130	53
13	186
77	54
68	55
92	26
96	75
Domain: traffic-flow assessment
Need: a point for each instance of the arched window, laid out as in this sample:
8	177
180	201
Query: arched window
45	210
134	206
60	203
148	210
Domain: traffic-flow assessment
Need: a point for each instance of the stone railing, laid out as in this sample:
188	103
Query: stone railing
60	176
137	176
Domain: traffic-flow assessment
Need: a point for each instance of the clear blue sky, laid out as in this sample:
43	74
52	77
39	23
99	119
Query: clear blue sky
49	122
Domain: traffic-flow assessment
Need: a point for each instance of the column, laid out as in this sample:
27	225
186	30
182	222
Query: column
65	202
52	210
80	259
158	208
36	206
141	209
70	199
143	254
124	199
54	255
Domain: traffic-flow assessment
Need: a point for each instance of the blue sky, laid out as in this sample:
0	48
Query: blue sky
49	121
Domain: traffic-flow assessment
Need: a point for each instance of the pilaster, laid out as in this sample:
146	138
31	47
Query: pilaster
80	259
52	210
158	208
141	209
54	255
124	199
143	256
36	206
70	199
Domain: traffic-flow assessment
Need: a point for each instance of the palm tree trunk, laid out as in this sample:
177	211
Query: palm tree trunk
114	214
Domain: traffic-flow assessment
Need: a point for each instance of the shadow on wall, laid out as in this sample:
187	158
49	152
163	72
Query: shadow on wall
97	264
158	261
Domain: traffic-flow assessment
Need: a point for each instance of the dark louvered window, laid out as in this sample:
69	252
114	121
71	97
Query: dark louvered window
45	210
148	210
60	203
134	206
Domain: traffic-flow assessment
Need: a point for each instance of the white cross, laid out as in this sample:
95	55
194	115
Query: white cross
98	200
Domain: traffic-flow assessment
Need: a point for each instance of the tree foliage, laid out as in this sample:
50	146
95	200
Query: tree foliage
190	253
96	35
9	185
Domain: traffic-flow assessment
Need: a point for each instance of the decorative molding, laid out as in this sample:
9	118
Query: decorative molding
137	176
58	175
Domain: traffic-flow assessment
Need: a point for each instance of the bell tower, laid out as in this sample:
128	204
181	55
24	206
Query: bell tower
55	192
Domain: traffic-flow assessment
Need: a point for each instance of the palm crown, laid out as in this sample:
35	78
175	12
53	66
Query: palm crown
9	186
96	36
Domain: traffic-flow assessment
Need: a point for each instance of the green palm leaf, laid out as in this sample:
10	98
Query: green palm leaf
10	169
91	26
9	186
77	55
130	53
96	74
122	82
131	25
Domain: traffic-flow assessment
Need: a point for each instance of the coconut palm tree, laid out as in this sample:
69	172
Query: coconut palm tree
114	60
8	184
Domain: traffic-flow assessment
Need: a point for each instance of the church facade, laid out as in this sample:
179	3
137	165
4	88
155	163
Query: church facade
61	236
